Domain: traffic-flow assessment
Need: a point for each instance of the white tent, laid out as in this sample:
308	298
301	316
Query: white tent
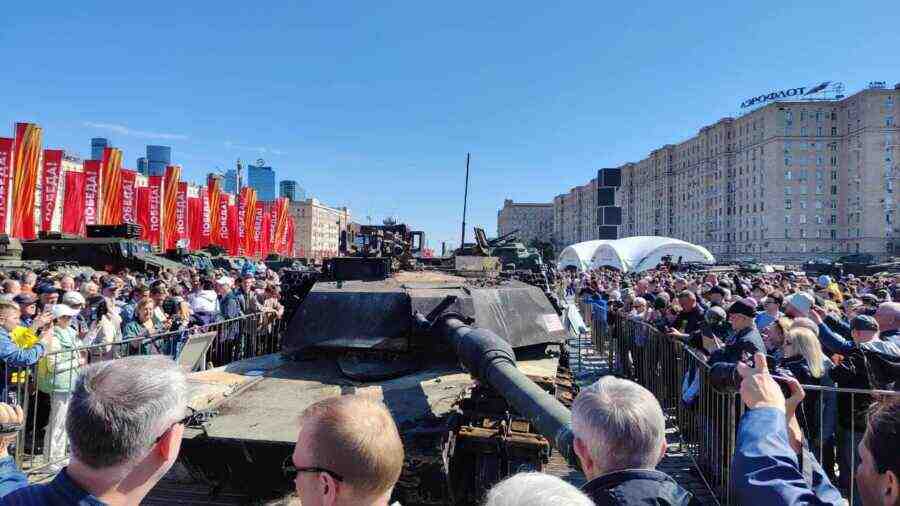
579	255
637	254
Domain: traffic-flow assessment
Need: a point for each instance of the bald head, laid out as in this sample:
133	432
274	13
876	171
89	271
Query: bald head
888	316
355	437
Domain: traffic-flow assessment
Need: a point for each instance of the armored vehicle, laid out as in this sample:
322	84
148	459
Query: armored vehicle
99	253
513	254
469	368
200	260
11	256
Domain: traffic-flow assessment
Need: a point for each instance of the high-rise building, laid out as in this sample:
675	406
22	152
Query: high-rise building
262	179
318	228
530	221
158	158
143	167
98	144
230	182
288	188
218	177
798	176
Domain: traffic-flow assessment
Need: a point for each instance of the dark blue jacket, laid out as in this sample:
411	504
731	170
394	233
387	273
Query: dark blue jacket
637	486
746	340
62	491
765	469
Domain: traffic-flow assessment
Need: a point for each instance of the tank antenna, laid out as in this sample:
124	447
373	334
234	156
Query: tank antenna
462	240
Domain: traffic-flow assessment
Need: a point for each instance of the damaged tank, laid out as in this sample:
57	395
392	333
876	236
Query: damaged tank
472	369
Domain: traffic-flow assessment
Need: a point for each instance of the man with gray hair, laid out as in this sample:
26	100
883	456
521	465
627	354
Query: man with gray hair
535	489
125	422
888	317
620	437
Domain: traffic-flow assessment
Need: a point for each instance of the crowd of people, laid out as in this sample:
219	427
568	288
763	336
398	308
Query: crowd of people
53	324
124	419
831	335
127	417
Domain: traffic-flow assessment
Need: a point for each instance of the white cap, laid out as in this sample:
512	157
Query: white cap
63	310
225	280
73	298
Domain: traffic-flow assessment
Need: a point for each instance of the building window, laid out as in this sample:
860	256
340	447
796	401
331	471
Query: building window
787	175
889	121
802	204
803	233
787	190
787	219
834	131
819	131
834	189
802	219
788	204
833	234
802	131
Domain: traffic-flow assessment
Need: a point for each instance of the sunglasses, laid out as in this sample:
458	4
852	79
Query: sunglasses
290	471
190	419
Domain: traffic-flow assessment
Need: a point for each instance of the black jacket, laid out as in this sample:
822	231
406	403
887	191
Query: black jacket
637	486
746	340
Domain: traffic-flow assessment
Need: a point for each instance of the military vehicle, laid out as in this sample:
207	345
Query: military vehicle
11	256
513	254
99	253
471	369
200	259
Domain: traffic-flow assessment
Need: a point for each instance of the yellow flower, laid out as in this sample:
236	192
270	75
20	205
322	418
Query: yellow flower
24	337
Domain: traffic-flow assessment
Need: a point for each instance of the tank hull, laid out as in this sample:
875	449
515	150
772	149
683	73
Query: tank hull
244	447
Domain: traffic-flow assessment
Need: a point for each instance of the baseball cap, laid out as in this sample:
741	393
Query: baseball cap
44	289
24	299
63	310
801	301
745	307
864	322
225	280
72	298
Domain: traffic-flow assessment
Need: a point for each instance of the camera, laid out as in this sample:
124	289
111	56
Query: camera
724	376
171	305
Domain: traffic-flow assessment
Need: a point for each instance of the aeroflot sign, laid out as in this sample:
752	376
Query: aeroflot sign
788	93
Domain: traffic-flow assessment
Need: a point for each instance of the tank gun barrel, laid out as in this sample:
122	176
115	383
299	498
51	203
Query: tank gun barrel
491	360
503	238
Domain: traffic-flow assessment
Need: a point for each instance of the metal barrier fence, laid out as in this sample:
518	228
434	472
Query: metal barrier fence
43	390
832	419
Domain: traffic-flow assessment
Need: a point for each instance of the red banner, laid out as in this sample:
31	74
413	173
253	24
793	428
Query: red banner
73	203
24	174
204	217
154	210
214	195
181	215
111	187
195	222
91	191
272	216
6	155
128	196
141	210
170	197
258	238
223	236
247	213
50	186
233	228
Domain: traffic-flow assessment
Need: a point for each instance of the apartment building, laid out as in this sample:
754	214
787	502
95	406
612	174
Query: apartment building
318	228
533	221
790	180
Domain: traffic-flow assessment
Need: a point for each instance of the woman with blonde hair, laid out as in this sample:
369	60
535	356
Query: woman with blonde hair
804	358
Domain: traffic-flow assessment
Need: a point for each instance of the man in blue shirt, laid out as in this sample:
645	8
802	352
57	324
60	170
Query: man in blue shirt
766	469
11	356
113	466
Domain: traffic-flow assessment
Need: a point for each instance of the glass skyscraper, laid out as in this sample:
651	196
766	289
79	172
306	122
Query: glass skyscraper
261	179
97	146
158	157
230	182
288	188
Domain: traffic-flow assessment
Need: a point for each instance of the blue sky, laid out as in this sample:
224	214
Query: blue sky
374	105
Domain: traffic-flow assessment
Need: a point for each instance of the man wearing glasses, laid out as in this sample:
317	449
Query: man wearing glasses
348	453
125	422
